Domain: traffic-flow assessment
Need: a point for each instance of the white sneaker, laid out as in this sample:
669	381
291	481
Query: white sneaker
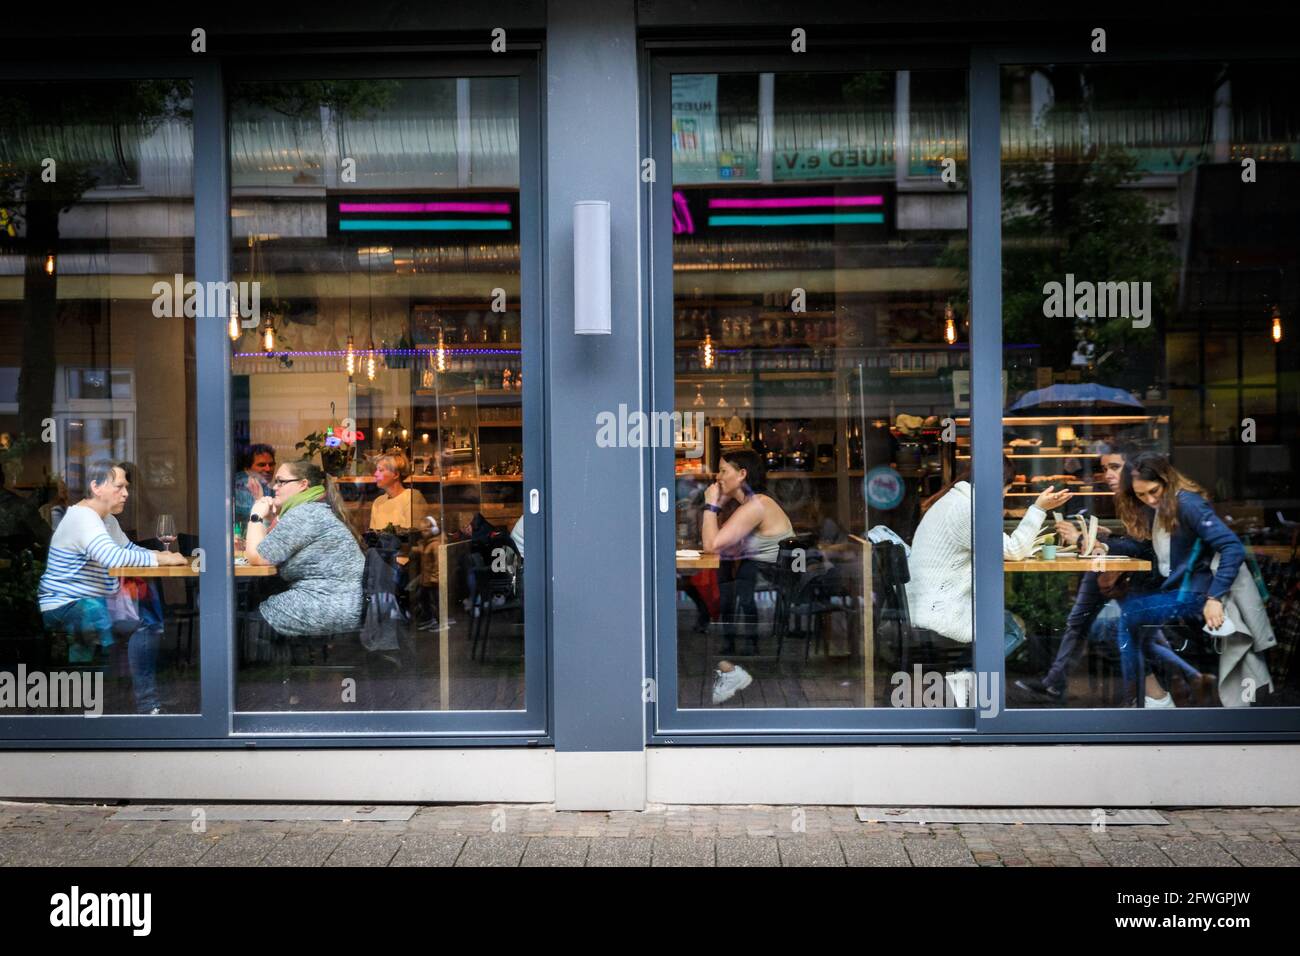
725	684
1161	703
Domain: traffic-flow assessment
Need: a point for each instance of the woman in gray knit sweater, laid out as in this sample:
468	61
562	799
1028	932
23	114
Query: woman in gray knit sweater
316	553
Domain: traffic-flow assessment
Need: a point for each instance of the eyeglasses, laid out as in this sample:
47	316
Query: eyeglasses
285	481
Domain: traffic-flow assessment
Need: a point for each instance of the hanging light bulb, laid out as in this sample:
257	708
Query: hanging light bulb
268	336
440	355
371	362
699	395
233	328
949	325
49	264
351	360
707	351
1277	324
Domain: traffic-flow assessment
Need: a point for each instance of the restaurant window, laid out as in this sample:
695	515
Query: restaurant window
378	395
821	336
1150	259
98	511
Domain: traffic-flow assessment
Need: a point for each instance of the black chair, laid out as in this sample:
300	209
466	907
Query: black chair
486	586
804	597
915	644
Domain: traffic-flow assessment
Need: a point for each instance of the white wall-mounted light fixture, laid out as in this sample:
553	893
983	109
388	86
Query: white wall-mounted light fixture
591	291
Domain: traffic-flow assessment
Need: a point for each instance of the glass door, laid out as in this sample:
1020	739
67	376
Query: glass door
388	388
815	330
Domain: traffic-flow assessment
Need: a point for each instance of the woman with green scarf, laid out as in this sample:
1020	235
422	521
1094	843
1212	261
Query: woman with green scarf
316	552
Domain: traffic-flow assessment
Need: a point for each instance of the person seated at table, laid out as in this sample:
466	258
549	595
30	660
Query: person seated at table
748	541
316	552
1167	514
76	585
1089	600
253	479
423	570
398	506
942	558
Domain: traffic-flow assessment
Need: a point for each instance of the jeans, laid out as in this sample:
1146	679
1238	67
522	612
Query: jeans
89	617
1138	613
739	611
87	622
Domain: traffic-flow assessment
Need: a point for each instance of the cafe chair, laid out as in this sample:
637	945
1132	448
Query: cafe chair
491	592
914	644
804	598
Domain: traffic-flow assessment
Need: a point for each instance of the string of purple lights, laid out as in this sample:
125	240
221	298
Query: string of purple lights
342	353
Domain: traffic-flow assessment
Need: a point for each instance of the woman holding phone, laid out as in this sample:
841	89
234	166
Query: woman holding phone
1167	513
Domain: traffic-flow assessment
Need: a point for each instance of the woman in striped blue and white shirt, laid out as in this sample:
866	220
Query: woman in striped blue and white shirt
76	585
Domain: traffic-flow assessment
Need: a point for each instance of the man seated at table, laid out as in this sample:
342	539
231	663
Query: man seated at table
76	585
253	479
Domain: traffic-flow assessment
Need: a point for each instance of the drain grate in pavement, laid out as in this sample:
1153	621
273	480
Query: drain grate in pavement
1012	815
275	812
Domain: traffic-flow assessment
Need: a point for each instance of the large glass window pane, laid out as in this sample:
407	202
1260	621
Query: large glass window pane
1150	254
97	438
378	221
821	336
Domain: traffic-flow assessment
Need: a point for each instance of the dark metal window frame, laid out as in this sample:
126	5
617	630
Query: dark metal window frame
673	725
218	724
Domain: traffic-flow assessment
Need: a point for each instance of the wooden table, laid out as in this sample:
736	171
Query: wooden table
1078	564
706	561
1280	552
185	571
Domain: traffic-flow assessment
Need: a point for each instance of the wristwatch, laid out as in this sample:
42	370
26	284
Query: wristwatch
254	519
714	508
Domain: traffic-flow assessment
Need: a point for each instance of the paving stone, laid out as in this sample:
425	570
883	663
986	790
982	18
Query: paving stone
303	849
632	851
428	849
176	849
365	850
1131	854
938	852
874	851
1197	853
811	851
556	851
748	851
682	851
1260	854
112	850
495	850
241	849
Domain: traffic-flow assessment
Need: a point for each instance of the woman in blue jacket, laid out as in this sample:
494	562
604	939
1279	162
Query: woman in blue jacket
1169	519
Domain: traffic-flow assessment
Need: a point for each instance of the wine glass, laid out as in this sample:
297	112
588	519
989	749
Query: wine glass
166	531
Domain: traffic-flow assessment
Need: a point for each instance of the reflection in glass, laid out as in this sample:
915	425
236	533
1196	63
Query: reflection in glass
380	221
1142	272
97	439
821	338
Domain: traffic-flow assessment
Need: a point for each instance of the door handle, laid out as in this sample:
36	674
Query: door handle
663	500
534	501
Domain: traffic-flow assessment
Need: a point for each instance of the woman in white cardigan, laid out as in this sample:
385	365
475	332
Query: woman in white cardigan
940	565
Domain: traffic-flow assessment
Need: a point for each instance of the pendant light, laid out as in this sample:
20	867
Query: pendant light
1277	324
350	350
371	363
234	329
949	325
707	352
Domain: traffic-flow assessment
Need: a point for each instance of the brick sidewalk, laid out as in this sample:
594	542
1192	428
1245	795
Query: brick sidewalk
35	834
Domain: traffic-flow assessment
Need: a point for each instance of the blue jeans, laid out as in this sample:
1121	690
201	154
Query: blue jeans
1137	613
88	619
